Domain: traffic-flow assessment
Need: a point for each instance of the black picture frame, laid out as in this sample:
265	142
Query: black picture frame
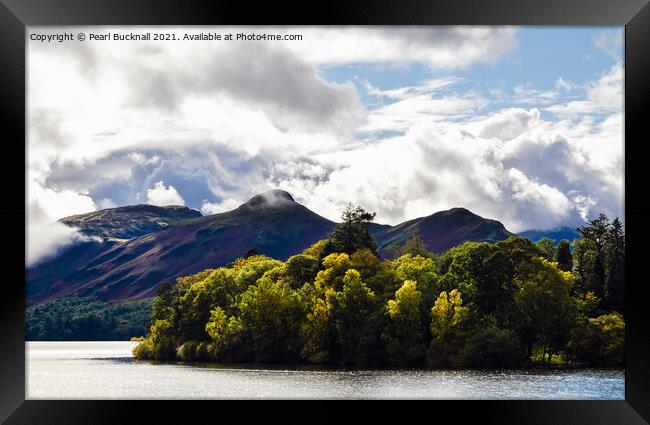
16	15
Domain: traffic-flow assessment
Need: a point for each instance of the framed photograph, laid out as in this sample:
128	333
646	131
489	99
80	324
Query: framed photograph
366	201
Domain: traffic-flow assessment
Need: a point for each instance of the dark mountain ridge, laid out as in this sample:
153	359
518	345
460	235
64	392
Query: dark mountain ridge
184	242
443	230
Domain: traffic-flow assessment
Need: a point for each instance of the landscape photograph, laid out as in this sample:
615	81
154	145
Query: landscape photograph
343	212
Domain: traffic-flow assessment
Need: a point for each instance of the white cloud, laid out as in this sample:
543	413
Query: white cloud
209	208
105	203
602	96
528	94
46	236
611	42
240	118
162	195
506	124
404	114
438	46
513	166
46	240
426	87
562	84
141	159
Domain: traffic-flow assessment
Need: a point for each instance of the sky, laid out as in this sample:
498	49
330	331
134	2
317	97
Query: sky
519	124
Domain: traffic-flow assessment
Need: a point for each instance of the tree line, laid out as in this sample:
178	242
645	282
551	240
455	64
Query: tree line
513	303
86	319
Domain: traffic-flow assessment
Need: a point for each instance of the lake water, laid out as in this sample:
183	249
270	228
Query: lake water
106	370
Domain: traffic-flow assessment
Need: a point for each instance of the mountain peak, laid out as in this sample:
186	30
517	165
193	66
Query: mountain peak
460	210
270	198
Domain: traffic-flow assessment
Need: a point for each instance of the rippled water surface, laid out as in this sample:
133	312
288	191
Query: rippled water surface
106	370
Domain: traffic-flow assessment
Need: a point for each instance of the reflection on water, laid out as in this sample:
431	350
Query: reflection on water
106	370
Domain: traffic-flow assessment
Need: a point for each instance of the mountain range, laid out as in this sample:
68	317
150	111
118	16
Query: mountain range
143	245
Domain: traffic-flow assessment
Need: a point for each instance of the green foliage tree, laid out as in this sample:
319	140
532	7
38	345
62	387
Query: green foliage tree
492	347
596	232
162	345
271	317
415	246
87	319
318	333
547	248
547	311
600	261
301	269
226	335
615	267
356	319
584	256
484	273
352	234
599	341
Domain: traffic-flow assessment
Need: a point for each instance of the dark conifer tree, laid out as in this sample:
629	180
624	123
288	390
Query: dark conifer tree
563	256
353	232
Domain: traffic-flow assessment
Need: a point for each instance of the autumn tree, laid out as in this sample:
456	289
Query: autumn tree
447	316
403	336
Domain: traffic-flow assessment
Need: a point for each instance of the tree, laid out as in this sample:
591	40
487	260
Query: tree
584	256
424	271
615	267
343	326
162	346
599	261
226	334
356	319
355	309
198	299
414	246
596	232
334	268
484	274
466	268
563	256
271	315
300	269
547	248
492	347
403	335
599	341
547	312
447	316
352	233
319	335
